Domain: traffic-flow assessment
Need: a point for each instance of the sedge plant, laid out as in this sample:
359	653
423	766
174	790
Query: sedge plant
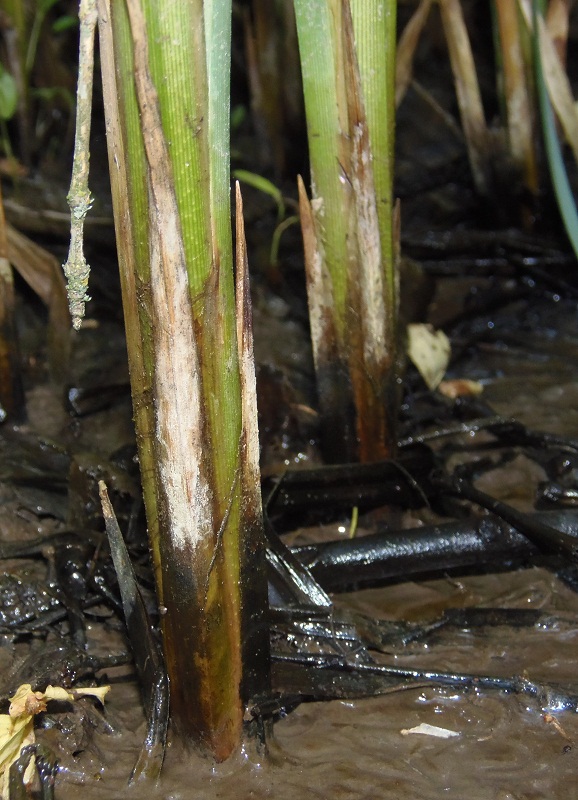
165	78
530	42
347	54
274	79
165	84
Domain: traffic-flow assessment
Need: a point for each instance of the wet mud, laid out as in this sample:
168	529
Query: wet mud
498	745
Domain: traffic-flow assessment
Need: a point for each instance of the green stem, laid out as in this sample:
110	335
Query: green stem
188	400
327	140
348	228
374	23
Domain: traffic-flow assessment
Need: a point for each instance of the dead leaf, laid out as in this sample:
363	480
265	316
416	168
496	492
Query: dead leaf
430	730
430	352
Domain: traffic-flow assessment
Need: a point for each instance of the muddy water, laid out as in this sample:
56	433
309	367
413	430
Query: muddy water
504	747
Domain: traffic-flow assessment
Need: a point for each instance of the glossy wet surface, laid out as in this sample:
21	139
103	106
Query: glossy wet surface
501	747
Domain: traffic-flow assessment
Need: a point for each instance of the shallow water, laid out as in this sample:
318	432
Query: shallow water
506	748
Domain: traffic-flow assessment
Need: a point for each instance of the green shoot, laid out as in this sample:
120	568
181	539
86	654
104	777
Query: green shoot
263	185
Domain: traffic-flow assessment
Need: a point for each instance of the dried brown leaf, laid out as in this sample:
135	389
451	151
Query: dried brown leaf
406	48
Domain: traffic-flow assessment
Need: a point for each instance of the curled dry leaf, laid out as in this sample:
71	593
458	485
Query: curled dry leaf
41	271
406	48
429	350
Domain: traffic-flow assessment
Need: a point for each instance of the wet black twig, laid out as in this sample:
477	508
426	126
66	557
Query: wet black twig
540	533
330	676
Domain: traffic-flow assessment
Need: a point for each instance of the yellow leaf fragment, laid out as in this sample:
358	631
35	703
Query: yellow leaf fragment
58	693
17	731
26	702
460	387
17	727
99	692
13	734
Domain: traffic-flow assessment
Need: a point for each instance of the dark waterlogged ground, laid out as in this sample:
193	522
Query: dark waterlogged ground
518	336
503	746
